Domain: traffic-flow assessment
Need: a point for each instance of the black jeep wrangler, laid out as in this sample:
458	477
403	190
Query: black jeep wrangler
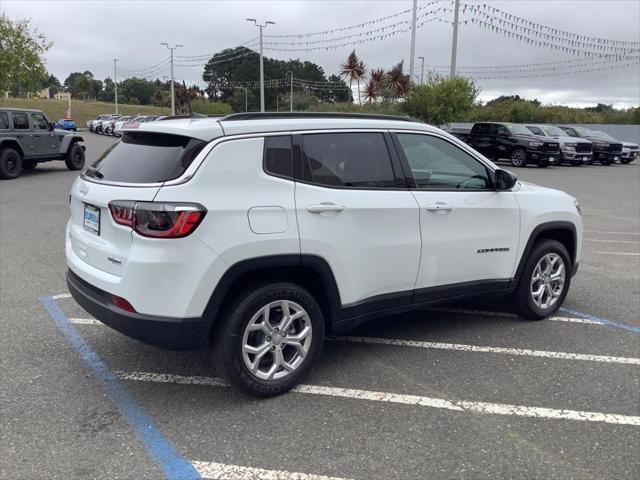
513	142
27	138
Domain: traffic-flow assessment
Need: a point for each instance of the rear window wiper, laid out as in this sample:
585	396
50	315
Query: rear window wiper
96	172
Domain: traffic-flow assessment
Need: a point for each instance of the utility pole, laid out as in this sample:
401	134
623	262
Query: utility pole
291	93
261	59
413	40
422	71
173	95
115	81
454	43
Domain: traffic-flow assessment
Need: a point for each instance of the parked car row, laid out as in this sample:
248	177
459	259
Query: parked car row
547	145
109	124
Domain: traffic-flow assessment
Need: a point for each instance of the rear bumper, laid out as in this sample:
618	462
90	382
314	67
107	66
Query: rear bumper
165	332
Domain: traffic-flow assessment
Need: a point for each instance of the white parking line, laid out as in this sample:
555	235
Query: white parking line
612	233
488	313
416	400
629	254
477	348
220	471
632	242
61	295
85	321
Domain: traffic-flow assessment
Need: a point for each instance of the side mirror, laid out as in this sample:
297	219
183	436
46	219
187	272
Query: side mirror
51	126
504	180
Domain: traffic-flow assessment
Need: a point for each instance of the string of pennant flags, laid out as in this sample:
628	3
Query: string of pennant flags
589	53
534	26
355	26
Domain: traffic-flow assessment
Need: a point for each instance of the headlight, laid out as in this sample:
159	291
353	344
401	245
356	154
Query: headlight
576	203
535	144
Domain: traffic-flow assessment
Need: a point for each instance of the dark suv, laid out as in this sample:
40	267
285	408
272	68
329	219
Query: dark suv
606	151
514	142
27	138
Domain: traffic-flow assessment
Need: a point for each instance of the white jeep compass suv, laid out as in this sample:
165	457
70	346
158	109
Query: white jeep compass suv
262	233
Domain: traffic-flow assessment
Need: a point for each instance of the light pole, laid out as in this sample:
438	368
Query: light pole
261	59
115	81
421	70
413	40
173	97
454	43
291	93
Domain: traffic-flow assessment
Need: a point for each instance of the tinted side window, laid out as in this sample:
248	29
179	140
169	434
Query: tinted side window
481	129
536	130
500	130
4	121
39	122
570	131
277	156
439	165
347	160
20	121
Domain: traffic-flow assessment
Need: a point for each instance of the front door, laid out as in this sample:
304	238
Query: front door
354	211
46	143
469	230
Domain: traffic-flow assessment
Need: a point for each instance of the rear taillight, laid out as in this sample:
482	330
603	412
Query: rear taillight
122	212
158	219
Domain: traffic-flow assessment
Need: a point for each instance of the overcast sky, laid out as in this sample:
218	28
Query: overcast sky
88	34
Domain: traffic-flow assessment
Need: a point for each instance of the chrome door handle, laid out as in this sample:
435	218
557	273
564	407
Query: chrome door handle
324	207
439	207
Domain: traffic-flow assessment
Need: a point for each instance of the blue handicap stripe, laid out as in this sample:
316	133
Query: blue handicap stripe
174	466
623	326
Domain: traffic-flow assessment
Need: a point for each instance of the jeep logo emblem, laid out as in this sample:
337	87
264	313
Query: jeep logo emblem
84	189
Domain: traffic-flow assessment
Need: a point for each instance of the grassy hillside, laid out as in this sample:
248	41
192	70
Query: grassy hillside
81	111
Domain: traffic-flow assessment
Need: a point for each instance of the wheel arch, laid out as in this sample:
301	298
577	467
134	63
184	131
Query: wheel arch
309	271
67	141
562	231
11	143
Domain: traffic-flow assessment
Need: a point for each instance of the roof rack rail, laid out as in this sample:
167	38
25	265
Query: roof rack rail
280	115
192	115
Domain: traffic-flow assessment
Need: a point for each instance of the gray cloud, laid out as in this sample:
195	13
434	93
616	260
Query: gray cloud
89	34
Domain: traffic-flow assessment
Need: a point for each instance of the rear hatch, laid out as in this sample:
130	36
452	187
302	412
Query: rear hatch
133	169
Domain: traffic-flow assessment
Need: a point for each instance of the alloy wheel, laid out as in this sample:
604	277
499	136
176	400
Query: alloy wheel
547	281
518	158
276	340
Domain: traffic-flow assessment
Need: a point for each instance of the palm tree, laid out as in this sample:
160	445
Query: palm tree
397	81
353	69
377	76
371	91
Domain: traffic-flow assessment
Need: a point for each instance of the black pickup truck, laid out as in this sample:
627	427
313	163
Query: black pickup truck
513	142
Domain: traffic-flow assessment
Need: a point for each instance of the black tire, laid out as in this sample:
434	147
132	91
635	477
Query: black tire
29	164
543	165
521	299
624	161
576	164
228	338
518	158
74	159
10	163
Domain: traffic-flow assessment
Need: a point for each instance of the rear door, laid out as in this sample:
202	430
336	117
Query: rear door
23	133
130	170
481	139
355	212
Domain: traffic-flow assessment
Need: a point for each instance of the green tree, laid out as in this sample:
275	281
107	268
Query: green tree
22	48
441	100
140	89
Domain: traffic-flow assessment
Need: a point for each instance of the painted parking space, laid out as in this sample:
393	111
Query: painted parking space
456	406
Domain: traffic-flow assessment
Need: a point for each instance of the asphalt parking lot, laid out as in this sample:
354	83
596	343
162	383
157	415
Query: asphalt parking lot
463	391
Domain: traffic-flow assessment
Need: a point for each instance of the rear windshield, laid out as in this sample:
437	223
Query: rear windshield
142	157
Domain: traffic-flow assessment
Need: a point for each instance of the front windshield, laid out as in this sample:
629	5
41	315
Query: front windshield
517	129
603	135
585	132
554	131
